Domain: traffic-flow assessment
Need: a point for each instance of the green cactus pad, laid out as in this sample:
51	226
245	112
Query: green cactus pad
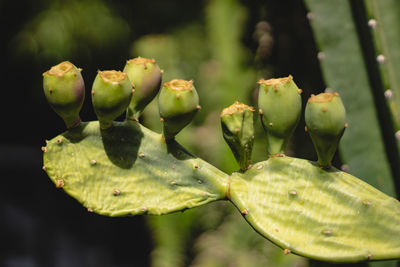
321	214
280	109
145	76
237	123
178	102
129	170
65	91
326	121
111	94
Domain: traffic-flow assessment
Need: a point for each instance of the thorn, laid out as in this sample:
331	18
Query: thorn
381	59
59	140
372	23
204	194
196	166
44	168
368	256
388	94
178	96
141	154
237	130
299	91
133	91
367	203
44	149
116	192
345	168
321	55
309	16
244	212
200	181
60	183
324	109
144	209
93	162
161	119
162	71
92	92
346	125
51	90
198	107
397	135
173	166
260	111
286	251
293	192
327	232
46	141
305	128
259	167
328	90
89	210
275	88
173	183
270	124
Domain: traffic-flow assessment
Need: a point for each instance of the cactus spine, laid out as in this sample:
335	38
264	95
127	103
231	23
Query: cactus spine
279	105
178	102
111	94
145	76
65	91
237	127
326	121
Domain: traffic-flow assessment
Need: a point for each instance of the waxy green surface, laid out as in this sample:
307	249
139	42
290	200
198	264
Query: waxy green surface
129	170
321	214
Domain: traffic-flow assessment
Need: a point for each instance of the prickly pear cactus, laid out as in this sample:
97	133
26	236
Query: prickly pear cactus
307	208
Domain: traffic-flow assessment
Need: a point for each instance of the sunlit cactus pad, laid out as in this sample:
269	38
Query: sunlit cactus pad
326	215
129	170
122	168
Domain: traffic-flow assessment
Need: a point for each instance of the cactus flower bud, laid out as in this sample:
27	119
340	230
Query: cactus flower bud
111	94
237	123
178	102
280	108
145	76
326	121
65	91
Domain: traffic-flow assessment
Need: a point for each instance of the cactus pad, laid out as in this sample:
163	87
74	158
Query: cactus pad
128	170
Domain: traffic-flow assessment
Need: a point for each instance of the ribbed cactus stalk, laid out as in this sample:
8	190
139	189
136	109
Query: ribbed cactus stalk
326	121
279	105
65	91
145	76
318	213
178	102
111	94
237	127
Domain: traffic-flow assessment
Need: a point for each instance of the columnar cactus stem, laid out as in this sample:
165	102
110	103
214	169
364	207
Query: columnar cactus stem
178	103
111	93
145	76
280	109
326	122
65	91
237	123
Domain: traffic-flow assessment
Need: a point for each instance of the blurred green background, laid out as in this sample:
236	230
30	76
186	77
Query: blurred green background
225	46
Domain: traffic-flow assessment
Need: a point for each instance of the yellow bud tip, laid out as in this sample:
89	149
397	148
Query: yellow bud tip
276	81
236	107
60	69
322	98
111	76
180	85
